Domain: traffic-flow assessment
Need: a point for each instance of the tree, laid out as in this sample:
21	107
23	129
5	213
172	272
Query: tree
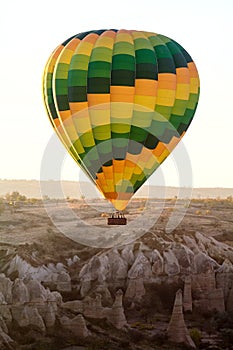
15	196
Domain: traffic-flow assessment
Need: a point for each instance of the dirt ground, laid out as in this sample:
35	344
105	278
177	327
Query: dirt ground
36	225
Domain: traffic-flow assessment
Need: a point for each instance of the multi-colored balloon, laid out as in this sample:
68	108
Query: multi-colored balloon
120	101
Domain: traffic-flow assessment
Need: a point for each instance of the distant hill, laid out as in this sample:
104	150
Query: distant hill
72	189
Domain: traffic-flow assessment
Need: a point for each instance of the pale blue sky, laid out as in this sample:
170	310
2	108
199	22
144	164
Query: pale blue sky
31	30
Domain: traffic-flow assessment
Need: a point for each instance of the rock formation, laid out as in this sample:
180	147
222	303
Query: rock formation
95	270
224	280
207	296
5	312
72	261
128	255
177	330
140	268
117	316
139	272
31	304
118	267
135	290
6	342
160	264
5	288
177	257
105	295
157	263
76	325
63	282
37	292
20	293
187	297
171	264
210	246
92	308
50	274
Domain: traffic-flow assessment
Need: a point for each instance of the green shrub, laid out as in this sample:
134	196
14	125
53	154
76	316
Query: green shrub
195	334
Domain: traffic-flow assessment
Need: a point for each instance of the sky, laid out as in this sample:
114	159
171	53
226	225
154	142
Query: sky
31	30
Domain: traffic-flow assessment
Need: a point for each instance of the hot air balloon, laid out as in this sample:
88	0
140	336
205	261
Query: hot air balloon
120	101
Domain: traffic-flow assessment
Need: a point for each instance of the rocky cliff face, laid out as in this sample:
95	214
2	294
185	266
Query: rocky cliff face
201	265
52	274
115	280
93	308
30	304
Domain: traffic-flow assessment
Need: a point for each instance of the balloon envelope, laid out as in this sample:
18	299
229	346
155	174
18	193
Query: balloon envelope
120	101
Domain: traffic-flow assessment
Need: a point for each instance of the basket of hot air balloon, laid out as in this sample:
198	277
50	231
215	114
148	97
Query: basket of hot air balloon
120	101
117	218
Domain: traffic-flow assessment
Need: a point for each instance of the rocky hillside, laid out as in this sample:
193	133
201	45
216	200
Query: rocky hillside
117	298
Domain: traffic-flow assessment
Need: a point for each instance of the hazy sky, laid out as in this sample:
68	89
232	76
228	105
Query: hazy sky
30	30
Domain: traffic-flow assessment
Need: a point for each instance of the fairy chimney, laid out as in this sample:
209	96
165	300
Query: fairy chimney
177	331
